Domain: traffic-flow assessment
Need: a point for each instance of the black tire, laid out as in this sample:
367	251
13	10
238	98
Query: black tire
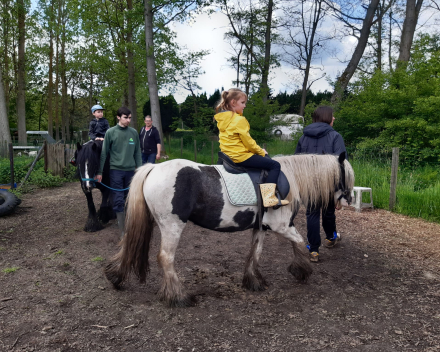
8	202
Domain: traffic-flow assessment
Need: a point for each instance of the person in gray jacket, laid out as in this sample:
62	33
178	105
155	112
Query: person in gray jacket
320	138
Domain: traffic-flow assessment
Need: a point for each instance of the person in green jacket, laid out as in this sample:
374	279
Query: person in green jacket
122	144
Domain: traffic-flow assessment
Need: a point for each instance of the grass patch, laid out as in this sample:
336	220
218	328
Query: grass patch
10	270
98	259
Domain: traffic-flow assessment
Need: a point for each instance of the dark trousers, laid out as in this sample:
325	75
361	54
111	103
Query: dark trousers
148	158
120	180
259	162
328	224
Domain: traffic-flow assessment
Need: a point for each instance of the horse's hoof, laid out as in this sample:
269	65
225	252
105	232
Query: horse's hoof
252	283
300	273
186	302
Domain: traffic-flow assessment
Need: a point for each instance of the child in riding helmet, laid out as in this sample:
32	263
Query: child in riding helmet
237	143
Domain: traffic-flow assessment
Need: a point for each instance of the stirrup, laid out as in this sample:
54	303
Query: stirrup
279	205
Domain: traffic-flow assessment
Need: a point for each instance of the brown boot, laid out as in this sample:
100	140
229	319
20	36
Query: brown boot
268	195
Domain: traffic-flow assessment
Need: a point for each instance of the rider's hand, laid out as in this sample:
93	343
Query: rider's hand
98	178
265	152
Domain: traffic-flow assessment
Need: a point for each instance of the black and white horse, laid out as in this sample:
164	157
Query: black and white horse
87	158
172	193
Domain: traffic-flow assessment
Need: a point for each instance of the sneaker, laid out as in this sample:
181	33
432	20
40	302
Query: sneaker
314	257
329	243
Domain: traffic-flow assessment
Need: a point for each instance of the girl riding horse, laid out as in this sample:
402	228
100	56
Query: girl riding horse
237	143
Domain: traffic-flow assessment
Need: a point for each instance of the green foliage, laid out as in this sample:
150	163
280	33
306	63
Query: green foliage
45	180
258	113
169	111
397	109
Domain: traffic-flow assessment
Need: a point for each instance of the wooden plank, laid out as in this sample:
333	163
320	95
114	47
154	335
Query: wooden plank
393	183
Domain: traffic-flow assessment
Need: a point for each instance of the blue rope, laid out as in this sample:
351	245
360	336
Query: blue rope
93	180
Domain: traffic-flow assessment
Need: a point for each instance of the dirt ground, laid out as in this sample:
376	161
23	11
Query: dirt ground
379	290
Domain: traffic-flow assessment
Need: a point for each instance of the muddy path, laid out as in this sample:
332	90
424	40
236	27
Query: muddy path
379	290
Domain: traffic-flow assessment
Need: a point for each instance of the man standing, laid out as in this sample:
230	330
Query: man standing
150	142
122	144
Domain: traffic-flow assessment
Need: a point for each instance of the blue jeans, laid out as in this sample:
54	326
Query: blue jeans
259	162
120	180
148	158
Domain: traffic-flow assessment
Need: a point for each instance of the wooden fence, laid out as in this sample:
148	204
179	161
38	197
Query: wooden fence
57	157
4	149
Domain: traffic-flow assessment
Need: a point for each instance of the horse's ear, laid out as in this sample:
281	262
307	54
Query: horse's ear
78	146
341	157
323	152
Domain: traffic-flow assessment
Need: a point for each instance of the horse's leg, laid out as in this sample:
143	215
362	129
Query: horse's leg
106	213
252	279
172	290
300	267
93	224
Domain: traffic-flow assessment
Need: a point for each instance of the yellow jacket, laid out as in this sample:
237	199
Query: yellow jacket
235	140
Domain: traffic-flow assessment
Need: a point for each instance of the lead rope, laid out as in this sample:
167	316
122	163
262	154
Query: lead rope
94	181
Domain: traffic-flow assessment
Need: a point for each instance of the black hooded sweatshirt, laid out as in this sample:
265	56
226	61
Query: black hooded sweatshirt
320	138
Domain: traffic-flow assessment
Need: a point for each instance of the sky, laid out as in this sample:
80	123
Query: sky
206	32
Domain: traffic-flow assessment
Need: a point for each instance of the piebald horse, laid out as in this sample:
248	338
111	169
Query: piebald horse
174	192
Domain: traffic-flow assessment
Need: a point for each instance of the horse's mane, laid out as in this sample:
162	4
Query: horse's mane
313	178
90	155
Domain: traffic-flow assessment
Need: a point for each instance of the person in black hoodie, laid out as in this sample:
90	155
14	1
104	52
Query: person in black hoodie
320	138
150	142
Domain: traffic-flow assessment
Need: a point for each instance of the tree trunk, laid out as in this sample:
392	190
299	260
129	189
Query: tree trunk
5	132
267	44
57	82
379	37
21	83
344	79
151	68
408	29
309	54
132	104
64	110
50	86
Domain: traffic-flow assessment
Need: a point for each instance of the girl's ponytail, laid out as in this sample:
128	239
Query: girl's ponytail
226	98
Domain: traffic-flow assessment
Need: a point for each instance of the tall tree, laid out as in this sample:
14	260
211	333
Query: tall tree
409	26
5	132
367	22
21	84
303	40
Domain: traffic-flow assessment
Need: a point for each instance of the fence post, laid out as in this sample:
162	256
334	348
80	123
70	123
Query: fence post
393	183
212	152
169	144
46	156
181	147
195	150
11	163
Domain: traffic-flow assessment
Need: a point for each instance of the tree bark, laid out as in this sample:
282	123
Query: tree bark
151	68
50	85
309	53
5	132
408	29
344	79
267	46
21	83
64	110
131	69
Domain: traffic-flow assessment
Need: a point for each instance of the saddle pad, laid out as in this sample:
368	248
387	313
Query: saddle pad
239	187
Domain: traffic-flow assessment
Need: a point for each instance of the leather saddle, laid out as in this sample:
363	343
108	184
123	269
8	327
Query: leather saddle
257	176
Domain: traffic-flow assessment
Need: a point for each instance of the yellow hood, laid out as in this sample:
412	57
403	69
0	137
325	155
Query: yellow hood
223	119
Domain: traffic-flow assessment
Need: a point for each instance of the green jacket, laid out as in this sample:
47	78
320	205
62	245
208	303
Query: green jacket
124	148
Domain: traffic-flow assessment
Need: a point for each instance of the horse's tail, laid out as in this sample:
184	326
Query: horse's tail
133	255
